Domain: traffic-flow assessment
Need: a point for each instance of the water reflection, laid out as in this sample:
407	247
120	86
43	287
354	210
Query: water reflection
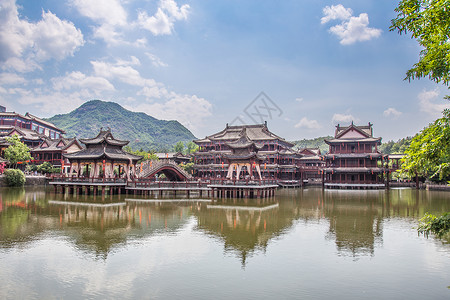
98	226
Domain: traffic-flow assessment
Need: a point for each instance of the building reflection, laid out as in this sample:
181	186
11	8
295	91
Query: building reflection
355	221
352	219
246	225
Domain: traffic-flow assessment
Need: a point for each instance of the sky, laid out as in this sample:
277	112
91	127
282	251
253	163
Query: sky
302	66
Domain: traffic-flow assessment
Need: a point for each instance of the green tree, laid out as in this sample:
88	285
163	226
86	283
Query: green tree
191	147
14	177
429	152
17	151
179	147
428	21
440	226
45	168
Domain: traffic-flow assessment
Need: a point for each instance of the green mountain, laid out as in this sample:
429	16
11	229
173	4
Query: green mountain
143	131
313	143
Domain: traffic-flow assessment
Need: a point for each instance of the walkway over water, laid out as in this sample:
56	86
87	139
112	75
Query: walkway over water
170	169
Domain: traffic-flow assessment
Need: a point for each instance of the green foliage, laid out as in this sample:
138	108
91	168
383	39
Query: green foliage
31	168
45	168
440	226
398	147
313	143
188	167
429	152
179	147
145	155
191	147
142	130
428	21
17	151
14	177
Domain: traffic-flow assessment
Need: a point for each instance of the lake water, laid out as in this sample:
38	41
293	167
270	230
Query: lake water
303	244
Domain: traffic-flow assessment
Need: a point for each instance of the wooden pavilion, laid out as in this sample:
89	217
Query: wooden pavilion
103	154
243	157
354	161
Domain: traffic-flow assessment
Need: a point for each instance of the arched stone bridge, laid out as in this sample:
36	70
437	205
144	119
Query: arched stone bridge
170	169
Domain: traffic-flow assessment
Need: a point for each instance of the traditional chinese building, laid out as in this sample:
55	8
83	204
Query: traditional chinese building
28	127
280	160
244	158
52	151
311	164
103	154
353	160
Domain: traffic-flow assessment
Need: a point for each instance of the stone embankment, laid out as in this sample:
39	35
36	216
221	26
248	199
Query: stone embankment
30	180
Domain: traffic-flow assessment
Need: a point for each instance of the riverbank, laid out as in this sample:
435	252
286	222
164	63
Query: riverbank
30	180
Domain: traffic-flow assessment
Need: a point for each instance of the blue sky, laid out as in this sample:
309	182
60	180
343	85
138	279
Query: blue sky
205	63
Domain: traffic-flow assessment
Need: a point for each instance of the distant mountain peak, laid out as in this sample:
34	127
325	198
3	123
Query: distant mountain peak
143	131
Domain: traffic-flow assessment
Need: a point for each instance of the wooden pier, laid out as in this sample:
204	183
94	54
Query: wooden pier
210	188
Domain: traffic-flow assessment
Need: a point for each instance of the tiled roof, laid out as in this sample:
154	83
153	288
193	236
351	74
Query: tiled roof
361	140
26	134
243	142
258	132
96	153
53	144
37	119
365	130
104	135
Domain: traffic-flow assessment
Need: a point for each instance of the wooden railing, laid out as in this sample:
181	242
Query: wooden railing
63	178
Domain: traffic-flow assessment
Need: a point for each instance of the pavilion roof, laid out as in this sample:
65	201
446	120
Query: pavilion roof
361	140
243	142
37	119
105	152
56	144
104	136
365	130
257	132
24	133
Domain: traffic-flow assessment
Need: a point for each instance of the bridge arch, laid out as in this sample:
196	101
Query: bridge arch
171	170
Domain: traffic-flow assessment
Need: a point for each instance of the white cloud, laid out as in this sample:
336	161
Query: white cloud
392	112
334	12
162	22
351	29
109	14
11	78
103	11
342	118
307	124
120	71
159	102
23	44
55	38
156	61
299	99
427	104
78	80
189	110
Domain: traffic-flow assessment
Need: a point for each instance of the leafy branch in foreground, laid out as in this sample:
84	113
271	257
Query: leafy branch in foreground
428	21
432	224
429	152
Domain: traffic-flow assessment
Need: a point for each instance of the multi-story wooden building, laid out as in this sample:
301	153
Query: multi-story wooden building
31	129
311	164
52	151
280	160
353	160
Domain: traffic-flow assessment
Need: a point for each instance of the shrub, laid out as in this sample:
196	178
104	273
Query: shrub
14	177
437	225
